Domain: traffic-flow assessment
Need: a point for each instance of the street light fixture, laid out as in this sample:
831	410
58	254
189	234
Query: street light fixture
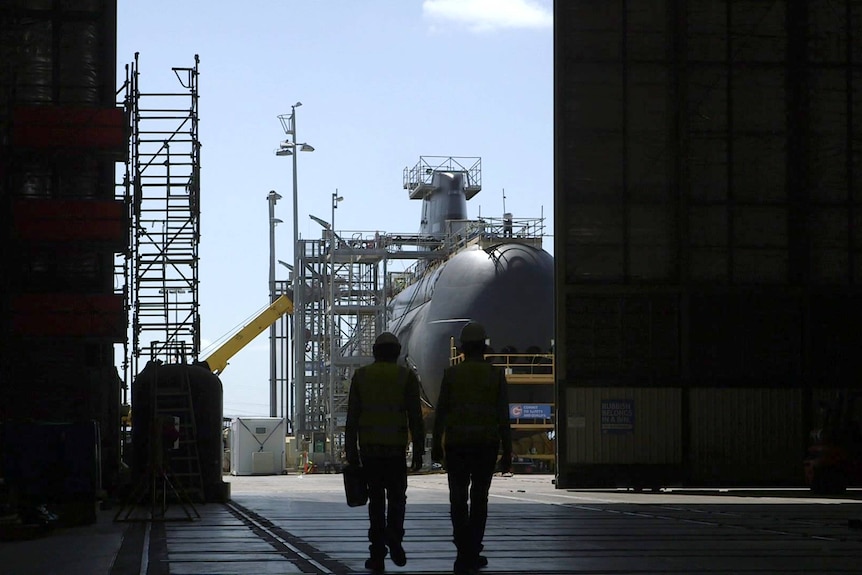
288	148
323	223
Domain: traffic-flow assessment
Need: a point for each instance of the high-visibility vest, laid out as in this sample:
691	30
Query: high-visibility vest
473	418
383	417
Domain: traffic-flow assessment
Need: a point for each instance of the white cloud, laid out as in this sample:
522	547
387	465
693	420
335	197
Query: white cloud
488	15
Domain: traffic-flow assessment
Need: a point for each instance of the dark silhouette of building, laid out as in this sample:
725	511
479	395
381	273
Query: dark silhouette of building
707	198
62	228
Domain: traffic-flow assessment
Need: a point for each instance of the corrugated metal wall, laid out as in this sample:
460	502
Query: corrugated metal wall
622	425
745	435
708	164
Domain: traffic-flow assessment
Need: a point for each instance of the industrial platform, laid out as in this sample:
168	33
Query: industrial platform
295	524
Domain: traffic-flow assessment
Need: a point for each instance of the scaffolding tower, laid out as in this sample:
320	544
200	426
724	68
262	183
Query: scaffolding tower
162	182
343	309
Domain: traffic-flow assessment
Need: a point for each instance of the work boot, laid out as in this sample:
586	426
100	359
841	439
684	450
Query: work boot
462	569
375	564
396	552
464	566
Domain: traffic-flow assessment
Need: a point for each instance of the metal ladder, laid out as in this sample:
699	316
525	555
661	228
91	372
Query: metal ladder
173	399
172	474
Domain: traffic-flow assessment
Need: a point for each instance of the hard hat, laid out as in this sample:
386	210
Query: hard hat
473	332
386	338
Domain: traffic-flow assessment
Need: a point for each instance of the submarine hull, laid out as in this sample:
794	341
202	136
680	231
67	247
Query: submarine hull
508	288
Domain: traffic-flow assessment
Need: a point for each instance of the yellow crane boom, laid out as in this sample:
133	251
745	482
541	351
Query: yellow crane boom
218	359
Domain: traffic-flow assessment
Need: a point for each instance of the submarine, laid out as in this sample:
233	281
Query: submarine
494	271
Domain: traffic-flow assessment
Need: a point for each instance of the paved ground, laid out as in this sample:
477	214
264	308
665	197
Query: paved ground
300	524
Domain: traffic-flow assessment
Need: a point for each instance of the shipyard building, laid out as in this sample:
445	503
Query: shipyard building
707	199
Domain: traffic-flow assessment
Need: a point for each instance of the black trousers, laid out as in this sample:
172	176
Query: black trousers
387	501
470	470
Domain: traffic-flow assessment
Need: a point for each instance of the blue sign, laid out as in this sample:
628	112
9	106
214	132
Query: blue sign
618	415
529	411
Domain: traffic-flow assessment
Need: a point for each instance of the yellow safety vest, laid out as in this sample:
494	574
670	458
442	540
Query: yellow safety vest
383	416
473	404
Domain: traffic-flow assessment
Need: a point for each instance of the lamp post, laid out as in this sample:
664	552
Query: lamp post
272	198
290	148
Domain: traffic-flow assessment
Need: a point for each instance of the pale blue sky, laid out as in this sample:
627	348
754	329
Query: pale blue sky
382	83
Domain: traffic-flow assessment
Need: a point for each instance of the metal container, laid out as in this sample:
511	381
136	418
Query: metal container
257	446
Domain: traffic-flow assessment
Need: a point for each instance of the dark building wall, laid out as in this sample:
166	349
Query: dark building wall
707	161
61	134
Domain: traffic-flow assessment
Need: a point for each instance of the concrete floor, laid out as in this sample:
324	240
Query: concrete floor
300	524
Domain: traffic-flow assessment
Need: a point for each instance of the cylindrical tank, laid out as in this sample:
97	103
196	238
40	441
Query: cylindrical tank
163	385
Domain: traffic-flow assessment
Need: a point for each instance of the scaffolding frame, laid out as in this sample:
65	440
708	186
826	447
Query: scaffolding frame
162	182
342	310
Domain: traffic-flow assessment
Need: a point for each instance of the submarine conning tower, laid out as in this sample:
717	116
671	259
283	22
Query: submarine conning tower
444	184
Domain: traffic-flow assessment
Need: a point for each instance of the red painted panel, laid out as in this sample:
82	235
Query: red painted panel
69	220
69	315
69	127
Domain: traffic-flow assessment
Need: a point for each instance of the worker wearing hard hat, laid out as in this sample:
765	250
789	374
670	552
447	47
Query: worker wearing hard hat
382	406
471	423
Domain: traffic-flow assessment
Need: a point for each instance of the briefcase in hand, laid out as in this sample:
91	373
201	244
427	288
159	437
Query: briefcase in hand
355	486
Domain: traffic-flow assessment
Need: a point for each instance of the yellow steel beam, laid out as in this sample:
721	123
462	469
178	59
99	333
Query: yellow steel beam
218	360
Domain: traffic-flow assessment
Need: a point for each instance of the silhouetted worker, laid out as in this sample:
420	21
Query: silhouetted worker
382	405
471	422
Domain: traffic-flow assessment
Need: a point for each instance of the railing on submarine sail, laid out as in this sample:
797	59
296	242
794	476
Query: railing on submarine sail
491	231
